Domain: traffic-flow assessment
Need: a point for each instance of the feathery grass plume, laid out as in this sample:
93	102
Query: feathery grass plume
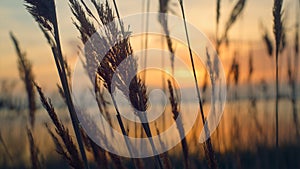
163	20
26	75
44	12
277	29
104	12
87	29
104	65
133	88
73	155
179	124
235	13
34	151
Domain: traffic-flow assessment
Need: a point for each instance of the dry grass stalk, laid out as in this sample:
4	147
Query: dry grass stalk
277	29
34	151
68	150
44	12
179	125
26	75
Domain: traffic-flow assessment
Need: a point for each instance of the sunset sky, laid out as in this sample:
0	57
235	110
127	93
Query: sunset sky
245	34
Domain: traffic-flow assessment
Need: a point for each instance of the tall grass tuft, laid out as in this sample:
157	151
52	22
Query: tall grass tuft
44	12
179	124
26	75
104	66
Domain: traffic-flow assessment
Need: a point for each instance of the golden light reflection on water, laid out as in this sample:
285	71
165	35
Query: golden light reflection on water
238	130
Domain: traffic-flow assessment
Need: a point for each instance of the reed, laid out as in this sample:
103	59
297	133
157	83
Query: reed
44	12
277	29
27	76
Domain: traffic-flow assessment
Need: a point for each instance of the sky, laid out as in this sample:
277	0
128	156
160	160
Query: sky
245	35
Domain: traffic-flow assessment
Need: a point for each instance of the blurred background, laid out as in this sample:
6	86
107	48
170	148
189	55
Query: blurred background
245	137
